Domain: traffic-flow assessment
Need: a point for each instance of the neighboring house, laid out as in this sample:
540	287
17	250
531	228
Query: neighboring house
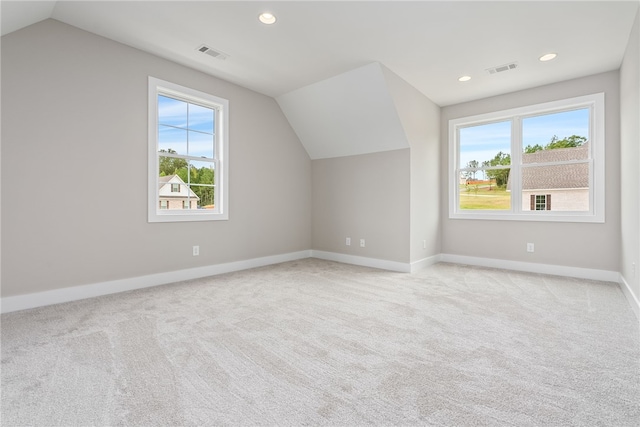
175	194
563	187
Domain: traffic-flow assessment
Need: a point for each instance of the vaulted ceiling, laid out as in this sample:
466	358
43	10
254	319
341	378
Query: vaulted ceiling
430	44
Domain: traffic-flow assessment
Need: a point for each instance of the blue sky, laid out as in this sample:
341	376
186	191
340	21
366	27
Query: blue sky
483	142
180	122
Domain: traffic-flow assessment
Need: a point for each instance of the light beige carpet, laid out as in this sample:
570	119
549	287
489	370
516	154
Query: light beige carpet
314	342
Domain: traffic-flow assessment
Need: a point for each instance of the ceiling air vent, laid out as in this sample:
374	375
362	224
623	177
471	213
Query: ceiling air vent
211	52
501	68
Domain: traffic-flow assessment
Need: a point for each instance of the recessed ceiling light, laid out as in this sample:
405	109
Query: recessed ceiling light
267	18
548	57
464	78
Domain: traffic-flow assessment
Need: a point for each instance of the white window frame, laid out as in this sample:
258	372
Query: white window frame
596	213
221	109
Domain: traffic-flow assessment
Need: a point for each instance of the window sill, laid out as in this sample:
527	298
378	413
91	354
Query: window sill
187	217
537	217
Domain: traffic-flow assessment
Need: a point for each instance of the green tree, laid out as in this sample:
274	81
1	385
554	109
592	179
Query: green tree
529	149
569	142
500	175
183	174
204	175
171	165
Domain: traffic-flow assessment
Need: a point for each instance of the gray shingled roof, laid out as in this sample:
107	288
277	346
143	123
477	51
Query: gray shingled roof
557	155
557	176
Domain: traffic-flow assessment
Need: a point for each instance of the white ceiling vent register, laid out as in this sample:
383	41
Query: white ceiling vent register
212	52
501	68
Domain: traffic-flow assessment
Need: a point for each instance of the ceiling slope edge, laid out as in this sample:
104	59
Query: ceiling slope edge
417	112
349	114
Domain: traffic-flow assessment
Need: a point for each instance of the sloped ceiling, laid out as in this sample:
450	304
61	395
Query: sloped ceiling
19	14
352	113
316	60
429	44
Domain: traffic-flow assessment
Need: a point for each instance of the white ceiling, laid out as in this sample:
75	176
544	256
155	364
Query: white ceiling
427	43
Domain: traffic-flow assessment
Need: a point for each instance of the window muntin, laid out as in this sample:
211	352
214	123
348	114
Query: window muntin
188	160
554	150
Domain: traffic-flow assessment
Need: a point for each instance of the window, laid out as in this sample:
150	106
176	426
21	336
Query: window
540	202
188	154
510	164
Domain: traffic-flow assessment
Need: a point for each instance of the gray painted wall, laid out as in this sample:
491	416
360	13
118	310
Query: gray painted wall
391	199
74	175
585	245
630	160
362	197
74	167
420	119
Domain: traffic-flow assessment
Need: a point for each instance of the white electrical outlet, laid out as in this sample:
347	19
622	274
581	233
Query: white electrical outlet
530	247
196	250
348	241
362	243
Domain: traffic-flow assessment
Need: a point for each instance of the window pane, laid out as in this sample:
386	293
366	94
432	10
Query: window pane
201	172
485	145
201	144
172	192
562	130
559	187
484	194
172	112
201	118
172	140
202	176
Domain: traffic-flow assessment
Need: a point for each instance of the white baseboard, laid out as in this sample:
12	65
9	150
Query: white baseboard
425	262
382	264
557	270
56	296
633	299
40	299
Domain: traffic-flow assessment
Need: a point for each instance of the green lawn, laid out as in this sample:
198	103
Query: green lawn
484	196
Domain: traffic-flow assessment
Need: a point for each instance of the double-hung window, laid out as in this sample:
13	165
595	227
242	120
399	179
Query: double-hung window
188	154
543	162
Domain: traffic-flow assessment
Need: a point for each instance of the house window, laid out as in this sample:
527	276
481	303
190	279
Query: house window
164	204
188	153
510	164
540	202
